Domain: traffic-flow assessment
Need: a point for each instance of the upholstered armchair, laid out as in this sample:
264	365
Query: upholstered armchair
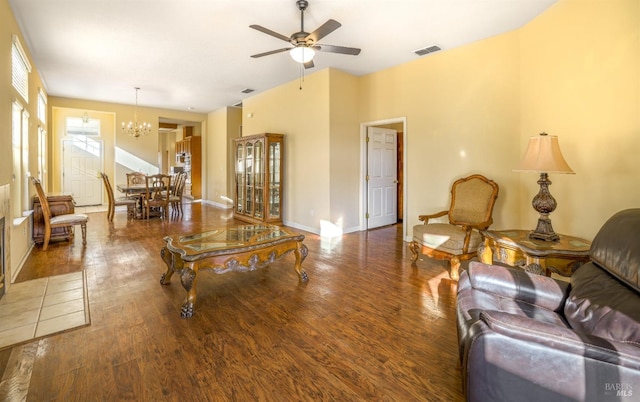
471	209
58	221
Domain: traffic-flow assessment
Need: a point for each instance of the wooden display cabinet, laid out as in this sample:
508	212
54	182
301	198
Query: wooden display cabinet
59	204
259	162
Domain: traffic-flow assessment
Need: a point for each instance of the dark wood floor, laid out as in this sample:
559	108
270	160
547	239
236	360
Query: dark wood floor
367	325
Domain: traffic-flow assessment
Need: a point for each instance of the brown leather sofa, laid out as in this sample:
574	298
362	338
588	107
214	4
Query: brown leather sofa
525	337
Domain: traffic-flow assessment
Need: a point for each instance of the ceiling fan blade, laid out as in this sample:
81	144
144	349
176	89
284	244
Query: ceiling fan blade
324	30
338	49
309	64
284	49
270	32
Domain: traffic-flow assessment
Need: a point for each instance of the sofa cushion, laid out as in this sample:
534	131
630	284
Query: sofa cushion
445	237
601	305
616	248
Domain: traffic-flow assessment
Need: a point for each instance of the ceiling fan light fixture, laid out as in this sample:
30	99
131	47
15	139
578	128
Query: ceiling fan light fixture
302	54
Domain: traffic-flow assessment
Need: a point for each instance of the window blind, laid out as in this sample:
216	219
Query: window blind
20	69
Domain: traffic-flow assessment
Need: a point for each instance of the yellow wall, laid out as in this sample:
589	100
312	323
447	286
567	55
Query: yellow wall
344	149
303	116
580	80
17	228
462	114
574	72
224	125
144	147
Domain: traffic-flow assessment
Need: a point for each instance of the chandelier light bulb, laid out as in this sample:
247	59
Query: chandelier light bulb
135	129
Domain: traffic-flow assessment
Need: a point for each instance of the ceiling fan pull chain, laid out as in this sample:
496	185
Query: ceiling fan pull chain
301	76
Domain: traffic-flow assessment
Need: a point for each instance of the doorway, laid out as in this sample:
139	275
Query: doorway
367	162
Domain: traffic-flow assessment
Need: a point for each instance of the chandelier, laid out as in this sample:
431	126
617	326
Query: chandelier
134	128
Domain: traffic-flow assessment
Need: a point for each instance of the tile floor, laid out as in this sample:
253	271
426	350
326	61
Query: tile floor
44	306
93	208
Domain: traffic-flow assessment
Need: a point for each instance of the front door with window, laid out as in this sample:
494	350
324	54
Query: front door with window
82	163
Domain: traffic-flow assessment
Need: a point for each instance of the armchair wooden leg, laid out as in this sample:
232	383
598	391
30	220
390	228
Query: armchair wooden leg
415	250
84	233
47	237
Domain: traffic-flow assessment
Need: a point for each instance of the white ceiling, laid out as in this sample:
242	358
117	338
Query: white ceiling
194	54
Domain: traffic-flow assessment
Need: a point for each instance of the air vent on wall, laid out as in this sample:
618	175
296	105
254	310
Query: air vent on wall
427	50
247	90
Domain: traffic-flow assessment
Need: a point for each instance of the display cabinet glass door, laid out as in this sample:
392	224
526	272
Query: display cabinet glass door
240	184
248	167
259	178
274	180
258	188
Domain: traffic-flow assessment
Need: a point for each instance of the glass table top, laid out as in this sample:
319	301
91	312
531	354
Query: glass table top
228	238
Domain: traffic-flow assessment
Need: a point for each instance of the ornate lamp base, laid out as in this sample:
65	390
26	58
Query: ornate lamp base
544	230
544	203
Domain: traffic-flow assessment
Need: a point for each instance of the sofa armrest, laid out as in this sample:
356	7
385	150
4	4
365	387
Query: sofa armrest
513	357
519	285
562	339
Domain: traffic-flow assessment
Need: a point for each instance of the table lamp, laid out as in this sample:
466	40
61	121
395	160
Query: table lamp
543	156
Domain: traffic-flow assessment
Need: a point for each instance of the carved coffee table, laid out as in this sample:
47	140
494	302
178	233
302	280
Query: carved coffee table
235	248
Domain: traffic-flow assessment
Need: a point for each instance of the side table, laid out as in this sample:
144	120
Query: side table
515	248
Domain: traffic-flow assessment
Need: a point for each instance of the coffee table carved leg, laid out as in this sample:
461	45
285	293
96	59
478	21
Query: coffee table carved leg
169	259
301	253
189	277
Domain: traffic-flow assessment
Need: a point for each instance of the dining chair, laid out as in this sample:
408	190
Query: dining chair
58	221
157	194
175	197
471	208
115	202
133	179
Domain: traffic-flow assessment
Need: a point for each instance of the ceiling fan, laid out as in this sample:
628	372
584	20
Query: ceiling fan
305	44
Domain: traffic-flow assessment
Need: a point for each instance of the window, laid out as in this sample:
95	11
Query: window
20	156
83	126
42	106
20	69
24	171
16	152
42	138
42	156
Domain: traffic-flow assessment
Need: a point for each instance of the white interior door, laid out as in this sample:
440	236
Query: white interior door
82	162
382	173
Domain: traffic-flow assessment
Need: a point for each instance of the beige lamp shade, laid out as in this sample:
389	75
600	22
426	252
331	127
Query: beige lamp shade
543	155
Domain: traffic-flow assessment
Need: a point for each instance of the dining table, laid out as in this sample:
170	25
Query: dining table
137	192
132	189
